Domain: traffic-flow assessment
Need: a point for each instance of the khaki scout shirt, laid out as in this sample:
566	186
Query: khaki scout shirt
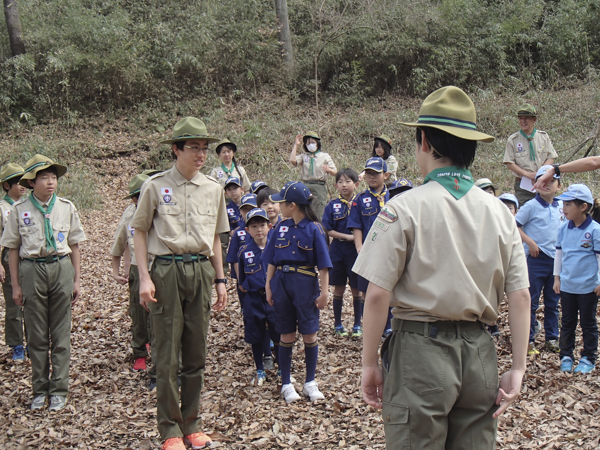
25	228
181	216
124	236
5	211
517	150
442	258
321	159
239	172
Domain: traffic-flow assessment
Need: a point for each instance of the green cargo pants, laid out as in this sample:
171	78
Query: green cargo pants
440	386
13	318
47	295
319	191
180	323
139	316
522	195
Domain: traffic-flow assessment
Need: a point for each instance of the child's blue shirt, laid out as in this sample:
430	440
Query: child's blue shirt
335	217
579	245
274	227
234	215
239	238
365	208
253	275
540	221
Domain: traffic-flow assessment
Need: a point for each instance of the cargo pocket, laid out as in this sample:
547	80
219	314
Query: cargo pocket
396	425
489	364
155	308
424	367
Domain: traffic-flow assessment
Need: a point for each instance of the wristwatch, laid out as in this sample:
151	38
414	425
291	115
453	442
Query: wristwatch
220	280
556	170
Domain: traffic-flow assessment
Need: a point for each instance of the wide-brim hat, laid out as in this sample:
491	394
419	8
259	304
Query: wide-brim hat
527	109
483	183
189	128
38	163
223	142
10	171
384	138
311	134
135	185
151	172
451	110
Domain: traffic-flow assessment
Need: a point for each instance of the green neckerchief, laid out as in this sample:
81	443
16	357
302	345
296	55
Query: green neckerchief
50	241
454	179
311	167
228	171
380	197
530	139
9	200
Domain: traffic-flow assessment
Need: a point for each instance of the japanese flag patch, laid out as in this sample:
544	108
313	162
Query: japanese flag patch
167	194
131	230
26	216
241	233
248	255
282	231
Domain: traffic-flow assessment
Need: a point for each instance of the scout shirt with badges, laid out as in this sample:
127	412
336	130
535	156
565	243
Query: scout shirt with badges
540	221
392	167
124	235
274	227
239	238
25	228
365	208
234	215
181	216
518	150
580	247
446	270
5	207
311	165
253	274
335	218
220	174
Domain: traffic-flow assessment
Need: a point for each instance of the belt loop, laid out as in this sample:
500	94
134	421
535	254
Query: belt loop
400	327
425	328
458	331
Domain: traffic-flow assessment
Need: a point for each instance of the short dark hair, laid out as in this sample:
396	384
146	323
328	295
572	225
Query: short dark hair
306	138
11	182
264	194
461	152
387	148
590	207
348	173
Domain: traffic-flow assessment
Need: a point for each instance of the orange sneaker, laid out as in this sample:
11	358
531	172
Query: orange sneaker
139	364
197	440
175	443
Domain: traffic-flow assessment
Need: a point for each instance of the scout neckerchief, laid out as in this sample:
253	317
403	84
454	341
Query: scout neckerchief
228	171
9	200
530	139
50	241
311	167
348	203
455	180
380	197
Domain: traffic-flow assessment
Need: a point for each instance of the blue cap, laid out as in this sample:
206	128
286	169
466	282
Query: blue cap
254	187
377	164
542	170
294	192
399	186
508	197
577	192
257	212
249	200
233	180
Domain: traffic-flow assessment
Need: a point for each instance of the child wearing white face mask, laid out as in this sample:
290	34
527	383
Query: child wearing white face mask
314	167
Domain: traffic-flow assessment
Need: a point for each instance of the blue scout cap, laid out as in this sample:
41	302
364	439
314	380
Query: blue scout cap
249	200
233	180
294	192
255	187
577	192
508	197
257	213
542	170
399	186
377	164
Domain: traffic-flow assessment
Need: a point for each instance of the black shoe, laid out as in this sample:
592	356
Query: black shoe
152	384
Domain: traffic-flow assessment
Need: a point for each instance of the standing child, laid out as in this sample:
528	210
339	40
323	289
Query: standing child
233	190
314	167
487	185
258	186
13	318
272	208
41	232
510	201
576	277
538	222
342	251
298	245
259	316
229	167
383	149
365	208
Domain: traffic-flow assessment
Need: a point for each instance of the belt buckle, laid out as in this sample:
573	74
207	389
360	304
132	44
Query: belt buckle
187	257
285	268
49	258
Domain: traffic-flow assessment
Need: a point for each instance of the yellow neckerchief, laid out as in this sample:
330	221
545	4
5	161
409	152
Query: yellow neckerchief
347	202
380	197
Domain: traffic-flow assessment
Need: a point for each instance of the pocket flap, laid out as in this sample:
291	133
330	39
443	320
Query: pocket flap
395	414
61	227
305	246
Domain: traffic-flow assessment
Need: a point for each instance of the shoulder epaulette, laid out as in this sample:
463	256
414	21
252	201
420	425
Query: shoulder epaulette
514	135
20	201
212	178
64	200
241	249
320	227
542	132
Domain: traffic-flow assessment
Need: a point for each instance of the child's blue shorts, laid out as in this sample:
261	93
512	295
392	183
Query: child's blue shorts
294	296
257	314
341	273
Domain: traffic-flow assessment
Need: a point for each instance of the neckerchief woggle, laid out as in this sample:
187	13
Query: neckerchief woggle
455	180
380	197
9	200
347	202
50	241
228	171
311	167
530	139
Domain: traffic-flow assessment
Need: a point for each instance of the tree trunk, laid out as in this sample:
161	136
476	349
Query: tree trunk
13	24
285	38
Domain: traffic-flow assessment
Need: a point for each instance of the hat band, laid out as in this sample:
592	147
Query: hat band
11	176
135	192
191	136
525	113
448	121
36	165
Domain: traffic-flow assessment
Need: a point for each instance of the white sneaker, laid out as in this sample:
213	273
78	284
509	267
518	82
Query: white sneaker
311	390
289	393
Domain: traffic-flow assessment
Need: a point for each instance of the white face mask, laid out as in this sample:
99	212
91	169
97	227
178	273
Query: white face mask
311	148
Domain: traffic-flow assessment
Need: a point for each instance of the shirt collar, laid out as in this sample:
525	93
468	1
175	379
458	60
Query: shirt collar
44	204
584	225
544	203
303	222
180	179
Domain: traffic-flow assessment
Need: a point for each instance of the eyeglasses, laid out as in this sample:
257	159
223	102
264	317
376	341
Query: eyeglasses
197	149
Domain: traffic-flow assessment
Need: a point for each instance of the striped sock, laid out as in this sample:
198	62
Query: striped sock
311	352
358	310
338	302
285	361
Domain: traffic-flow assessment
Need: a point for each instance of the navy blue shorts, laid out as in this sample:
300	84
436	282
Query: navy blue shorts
363	284
257	315
341	273
294	296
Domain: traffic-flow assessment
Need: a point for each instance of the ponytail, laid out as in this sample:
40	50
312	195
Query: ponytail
309	212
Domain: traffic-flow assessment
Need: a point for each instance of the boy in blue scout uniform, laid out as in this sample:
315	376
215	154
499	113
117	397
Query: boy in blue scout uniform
13	318
258	186
272	208
41	232
234	190
297	246
239	235
538	222
259	316
342	250
576	277
363	213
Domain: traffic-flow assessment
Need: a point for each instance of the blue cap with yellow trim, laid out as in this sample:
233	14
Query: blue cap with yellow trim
249	200
293	192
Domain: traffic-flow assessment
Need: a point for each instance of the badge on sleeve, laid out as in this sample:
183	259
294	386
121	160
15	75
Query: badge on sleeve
388	214
231	211
7	212
166	193
26	216
131	230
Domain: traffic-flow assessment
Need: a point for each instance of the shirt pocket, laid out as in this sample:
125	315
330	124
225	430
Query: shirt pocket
282	243
252	268
170	227
61	234
305	244
207	218
369	211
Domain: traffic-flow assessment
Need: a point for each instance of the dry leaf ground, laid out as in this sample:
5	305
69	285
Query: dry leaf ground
110	406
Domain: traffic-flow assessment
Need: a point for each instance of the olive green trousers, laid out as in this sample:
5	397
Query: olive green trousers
319	191
13	318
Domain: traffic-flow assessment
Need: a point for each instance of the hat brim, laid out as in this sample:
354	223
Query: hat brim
232	184
210	139
60	171
526	114
569	197
463	133
226	143
375	170
127	197
277	198
14	175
